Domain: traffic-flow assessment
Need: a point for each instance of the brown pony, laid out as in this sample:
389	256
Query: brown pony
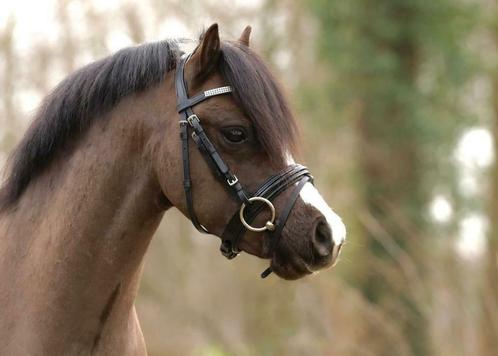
90	181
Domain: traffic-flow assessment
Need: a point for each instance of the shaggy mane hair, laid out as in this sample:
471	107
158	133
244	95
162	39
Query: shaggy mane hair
95	89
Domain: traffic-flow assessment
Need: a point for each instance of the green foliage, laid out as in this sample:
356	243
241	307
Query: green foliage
404	66
362	40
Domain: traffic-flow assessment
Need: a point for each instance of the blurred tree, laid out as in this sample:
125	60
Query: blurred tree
489	323
398	66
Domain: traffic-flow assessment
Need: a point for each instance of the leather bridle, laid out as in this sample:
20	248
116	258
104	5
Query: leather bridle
251	204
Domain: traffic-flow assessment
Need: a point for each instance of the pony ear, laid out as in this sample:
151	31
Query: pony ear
207	54
244	37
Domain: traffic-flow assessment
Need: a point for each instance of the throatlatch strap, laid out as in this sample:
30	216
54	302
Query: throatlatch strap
187	181
181	93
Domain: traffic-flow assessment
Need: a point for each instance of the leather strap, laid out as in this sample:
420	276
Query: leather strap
209	152
190	102
282	220
270	189
215	161
284	215
187	181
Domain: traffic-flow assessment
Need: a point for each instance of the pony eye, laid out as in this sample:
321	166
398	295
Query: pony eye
235	134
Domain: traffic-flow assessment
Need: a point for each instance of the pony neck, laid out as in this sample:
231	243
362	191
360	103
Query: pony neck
72	249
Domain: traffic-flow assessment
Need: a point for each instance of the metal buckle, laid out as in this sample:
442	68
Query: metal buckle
269	224
233	180
193	118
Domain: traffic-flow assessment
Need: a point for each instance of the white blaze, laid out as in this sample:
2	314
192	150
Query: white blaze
310	195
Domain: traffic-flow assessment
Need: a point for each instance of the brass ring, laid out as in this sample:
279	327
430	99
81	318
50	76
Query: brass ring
269	224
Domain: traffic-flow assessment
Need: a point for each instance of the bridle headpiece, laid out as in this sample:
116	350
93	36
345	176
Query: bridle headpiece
251	204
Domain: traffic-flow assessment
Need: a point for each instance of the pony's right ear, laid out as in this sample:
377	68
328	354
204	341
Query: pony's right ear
205	58
244	37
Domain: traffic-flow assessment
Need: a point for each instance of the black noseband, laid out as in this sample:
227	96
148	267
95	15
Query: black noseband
251	204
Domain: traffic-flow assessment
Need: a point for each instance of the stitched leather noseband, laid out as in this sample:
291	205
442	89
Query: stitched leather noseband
251	204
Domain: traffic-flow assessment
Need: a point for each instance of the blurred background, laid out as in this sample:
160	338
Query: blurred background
398	103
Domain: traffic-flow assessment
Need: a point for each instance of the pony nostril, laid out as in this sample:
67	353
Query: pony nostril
322	239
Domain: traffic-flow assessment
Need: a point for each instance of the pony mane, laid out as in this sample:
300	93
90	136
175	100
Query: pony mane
77	102
87	94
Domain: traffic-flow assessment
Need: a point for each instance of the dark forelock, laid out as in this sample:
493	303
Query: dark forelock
260	97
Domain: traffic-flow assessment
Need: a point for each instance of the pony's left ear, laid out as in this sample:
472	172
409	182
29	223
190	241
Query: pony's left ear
207	54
